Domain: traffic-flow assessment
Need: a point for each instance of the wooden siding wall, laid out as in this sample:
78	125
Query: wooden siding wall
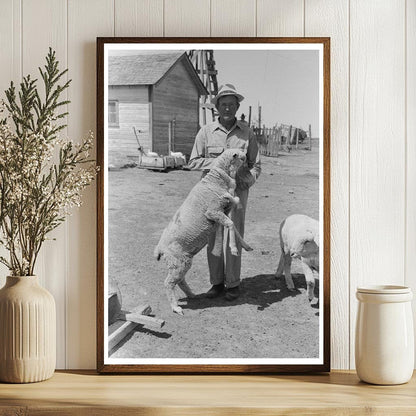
133	109
175	97
373	120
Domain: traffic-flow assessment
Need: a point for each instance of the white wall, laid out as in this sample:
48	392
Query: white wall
373	125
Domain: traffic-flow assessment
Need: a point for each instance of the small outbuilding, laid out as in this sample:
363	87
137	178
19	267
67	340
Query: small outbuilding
151	92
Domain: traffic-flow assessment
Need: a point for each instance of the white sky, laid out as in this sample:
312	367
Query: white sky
285	83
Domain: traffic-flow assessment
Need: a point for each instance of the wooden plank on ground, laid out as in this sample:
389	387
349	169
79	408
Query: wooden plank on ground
149	321
118	331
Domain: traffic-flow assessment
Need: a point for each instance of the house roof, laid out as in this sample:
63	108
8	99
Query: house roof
148	69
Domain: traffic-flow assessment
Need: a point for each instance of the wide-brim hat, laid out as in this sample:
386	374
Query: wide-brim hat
227	89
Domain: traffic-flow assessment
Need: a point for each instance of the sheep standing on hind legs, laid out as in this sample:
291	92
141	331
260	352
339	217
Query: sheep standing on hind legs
203	209
299	238
219	233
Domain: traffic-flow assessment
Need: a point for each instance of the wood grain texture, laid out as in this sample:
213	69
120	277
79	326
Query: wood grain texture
100	294
187	18
122	142
85	393
10	66
10	44
175	97
411	151
44	26
381	205
377	147
233	18
280	18
138	17
86	21
330	18
218	368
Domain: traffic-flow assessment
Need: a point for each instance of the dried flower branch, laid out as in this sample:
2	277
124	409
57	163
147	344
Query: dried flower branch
36	193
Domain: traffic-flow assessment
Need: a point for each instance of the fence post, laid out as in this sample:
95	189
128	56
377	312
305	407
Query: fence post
310	137
173	134
260	116
170	138
275	139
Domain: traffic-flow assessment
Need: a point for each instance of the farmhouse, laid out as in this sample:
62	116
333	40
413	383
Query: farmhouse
147	91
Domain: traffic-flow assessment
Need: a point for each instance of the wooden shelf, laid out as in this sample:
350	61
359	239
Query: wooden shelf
86	393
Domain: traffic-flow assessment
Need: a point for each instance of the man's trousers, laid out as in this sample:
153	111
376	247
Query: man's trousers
227	268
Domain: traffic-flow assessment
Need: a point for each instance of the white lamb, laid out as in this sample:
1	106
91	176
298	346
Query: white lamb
152	154
177	154
299	238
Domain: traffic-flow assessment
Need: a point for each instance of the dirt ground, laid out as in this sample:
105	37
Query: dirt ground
267	320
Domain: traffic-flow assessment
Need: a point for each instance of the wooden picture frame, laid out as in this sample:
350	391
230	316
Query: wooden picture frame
263	332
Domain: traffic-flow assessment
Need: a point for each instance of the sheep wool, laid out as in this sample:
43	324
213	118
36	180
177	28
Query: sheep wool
200	214
299	238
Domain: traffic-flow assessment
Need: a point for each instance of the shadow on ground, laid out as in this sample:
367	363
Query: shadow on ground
262	291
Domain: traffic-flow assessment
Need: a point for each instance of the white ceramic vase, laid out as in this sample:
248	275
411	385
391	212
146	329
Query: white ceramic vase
384	343
27	331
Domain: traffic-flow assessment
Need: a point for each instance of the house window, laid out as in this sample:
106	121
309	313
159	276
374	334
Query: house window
113	113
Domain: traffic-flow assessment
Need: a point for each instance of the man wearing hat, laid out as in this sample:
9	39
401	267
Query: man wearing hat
212	139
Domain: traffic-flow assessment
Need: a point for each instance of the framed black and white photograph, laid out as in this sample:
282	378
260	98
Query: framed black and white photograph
213	205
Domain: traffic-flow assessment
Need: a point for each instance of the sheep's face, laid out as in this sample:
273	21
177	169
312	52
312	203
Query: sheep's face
304	248
230	161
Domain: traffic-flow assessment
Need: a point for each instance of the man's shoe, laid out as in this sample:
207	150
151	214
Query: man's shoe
215	291
232	293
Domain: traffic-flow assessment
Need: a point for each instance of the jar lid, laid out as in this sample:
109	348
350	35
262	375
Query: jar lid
384	289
